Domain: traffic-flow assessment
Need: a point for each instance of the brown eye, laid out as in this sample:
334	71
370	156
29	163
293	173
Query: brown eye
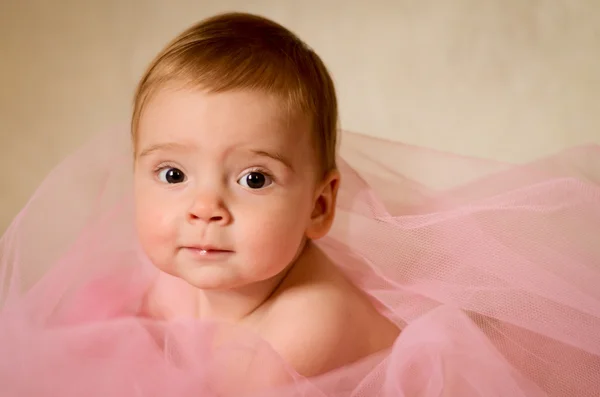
171	175
255	180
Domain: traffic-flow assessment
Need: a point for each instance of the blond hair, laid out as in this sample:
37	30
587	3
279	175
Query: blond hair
237	51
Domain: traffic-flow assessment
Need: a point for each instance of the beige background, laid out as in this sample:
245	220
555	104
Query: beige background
508	79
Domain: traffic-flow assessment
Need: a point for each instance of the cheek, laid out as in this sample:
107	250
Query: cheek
273	235
155	227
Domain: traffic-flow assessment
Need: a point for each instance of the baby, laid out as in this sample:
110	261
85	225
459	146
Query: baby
234	130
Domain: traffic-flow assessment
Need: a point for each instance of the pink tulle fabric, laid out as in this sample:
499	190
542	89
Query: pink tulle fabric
492	270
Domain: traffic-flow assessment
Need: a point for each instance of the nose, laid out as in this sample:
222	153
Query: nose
209	208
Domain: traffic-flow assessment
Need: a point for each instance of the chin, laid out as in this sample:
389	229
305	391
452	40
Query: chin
224	282
209	279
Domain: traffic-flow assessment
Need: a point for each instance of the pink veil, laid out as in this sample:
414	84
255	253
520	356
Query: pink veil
491	269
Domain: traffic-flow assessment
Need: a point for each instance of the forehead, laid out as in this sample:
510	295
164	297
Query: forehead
218	121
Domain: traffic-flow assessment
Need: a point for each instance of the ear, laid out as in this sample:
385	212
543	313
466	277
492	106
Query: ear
324	206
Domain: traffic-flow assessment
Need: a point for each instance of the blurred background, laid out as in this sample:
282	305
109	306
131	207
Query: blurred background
504	79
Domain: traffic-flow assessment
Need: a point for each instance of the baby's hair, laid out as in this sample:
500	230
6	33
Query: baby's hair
239	51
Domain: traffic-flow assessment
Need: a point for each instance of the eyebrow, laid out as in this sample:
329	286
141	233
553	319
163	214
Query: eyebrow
275	156
178	146
162	146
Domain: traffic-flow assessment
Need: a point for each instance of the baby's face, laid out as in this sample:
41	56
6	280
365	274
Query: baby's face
225	186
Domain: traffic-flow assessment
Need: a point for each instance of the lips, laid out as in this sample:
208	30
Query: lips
208	250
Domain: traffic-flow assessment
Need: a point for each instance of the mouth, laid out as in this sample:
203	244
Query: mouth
208	251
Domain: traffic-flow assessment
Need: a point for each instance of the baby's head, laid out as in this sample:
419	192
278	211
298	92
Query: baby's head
234	129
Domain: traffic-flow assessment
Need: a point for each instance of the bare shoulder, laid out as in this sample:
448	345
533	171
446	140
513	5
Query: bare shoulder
323	322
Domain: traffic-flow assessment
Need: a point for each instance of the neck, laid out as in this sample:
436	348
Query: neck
173	297
235	305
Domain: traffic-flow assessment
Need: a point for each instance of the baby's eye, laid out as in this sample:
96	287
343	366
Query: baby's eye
171	175
255	180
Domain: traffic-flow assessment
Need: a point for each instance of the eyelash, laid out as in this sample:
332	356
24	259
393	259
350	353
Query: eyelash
261	171
163	166
157	170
